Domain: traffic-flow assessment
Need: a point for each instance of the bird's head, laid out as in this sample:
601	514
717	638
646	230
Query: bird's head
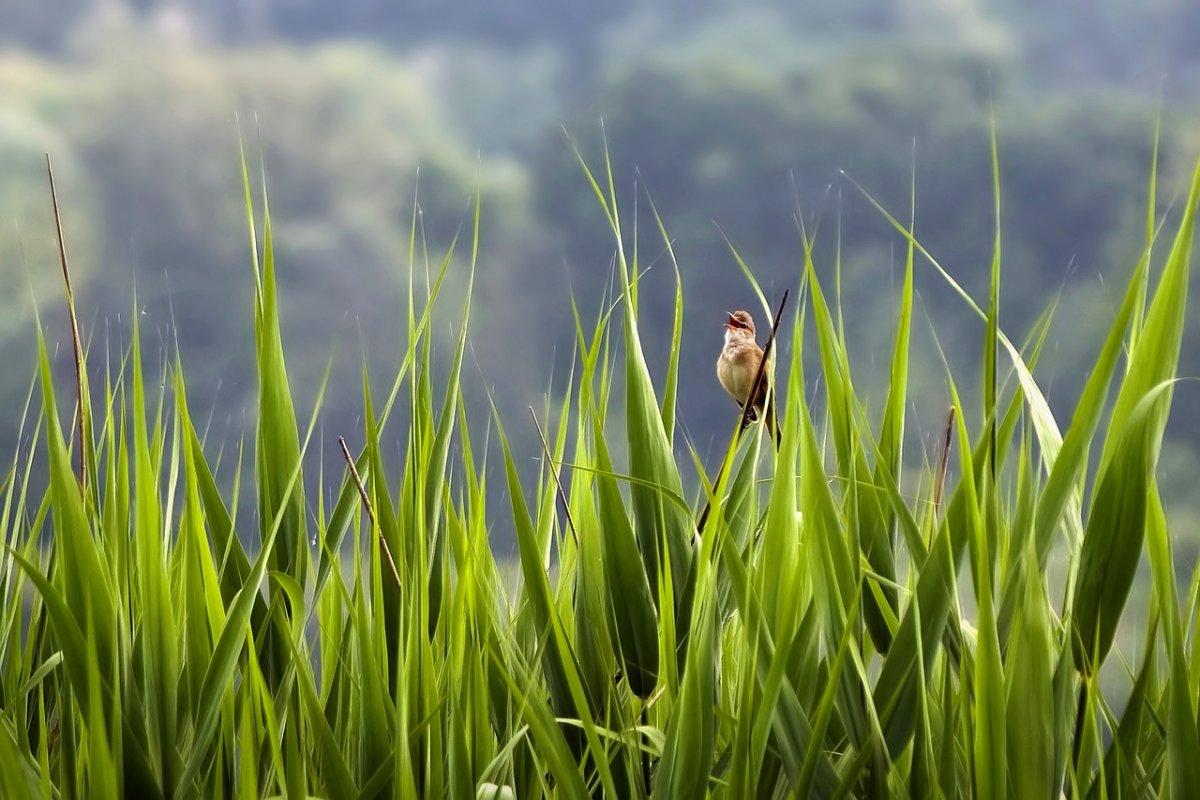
740	322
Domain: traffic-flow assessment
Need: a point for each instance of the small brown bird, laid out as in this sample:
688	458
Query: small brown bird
737	366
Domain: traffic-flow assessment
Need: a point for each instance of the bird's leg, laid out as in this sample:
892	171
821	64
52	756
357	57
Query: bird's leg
752	417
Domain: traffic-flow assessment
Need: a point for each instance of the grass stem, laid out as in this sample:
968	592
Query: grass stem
76	344
550	465
366	501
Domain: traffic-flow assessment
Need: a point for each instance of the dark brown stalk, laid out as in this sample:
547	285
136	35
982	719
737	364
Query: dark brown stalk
562	495
366	501
759	376
748	407
943	461
75	341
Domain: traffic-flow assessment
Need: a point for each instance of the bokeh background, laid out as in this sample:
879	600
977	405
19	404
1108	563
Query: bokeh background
730	115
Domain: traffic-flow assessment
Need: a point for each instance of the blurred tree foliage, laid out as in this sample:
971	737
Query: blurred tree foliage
145	139
1095	42
738	113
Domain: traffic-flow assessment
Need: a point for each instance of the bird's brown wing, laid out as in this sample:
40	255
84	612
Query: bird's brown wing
751	357
761	392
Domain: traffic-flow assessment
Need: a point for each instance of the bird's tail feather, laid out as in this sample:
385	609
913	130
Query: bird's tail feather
772	422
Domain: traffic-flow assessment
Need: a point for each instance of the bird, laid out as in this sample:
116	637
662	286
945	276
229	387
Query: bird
738	365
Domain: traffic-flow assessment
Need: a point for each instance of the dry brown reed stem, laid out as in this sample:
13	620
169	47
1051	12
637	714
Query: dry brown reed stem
366	501
75	340
944	460
562	495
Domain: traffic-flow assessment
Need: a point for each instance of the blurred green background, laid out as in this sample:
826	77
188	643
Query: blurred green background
733	113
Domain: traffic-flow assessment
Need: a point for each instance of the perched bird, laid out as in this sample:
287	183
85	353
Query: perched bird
737	366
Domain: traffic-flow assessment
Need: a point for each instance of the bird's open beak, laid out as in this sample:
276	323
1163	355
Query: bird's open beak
730	321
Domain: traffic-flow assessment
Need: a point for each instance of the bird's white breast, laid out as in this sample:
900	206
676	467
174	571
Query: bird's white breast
733	369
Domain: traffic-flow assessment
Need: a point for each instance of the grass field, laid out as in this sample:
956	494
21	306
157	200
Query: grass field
793	627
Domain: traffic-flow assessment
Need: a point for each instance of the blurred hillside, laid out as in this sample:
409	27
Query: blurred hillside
733	113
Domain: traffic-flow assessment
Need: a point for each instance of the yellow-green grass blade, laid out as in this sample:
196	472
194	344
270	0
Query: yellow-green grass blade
1115	532
631	603
84	578
1029	665
277	444
1122	770
671	381
867	523
684	769
1143	287
158	632
1179	713
221	669
650	453
1045	425
559	662
1157	356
